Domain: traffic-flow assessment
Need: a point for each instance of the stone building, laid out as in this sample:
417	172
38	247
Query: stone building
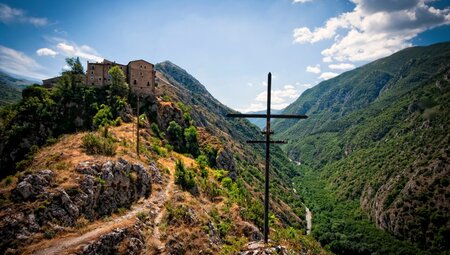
140	75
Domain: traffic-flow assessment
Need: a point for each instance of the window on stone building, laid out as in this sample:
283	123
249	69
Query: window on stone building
140	73
145	67
148	83
92	72
92	67
134	82
99	78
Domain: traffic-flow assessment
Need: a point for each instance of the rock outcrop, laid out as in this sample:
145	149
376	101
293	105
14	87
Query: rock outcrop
167	112
102	189
120	241
260	248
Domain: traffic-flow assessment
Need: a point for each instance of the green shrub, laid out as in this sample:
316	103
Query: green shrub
141	216
227	182
155	129
49	234
8	180
96	145
223	227
175	136
184	177
191	138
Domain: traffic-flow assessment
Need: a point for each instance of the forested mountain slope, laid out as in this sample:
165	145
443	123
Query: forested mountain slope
11	88
379	136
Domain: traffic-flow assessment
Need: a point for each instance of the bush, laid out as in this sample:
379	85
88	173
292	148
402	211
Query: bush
202	162
155	130
184	177
190	136
227	182
96	145
175	136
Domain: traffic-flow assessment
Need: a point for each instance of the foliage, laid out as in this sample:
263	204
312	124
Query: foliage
119	87
98	145
155	129
75	66
184	177
378	128
174	134
103	117
211	154
190	136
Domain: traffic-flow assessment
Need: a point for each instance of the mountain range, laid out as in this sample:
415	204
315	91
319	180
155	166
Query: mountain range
377	139
371	163
11	88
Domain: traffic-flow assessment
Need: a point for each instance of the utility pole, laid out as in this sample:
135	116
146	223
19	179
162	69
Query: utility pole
267	141
137	127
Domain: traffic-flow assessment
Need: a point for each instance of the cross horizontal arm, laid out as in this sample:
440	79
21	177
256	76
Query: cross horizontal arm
266	141
273	116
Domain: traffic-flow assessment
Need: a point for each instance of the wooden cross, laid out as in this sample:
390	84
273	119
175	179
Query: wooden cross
267	141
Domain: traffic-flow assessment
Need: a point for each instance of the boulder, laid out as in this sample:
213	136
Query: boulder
32	185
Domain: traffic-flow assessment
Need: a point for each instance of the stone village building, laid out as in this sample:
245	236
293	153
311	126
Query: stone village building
140	76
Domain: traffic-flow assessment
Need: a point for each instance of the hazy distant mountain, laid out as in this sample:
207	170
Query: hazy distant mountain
11	88
261	123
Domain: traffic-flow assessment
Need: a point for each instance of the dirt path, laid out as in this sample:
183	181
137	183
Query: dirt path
71	242
163	196
308	221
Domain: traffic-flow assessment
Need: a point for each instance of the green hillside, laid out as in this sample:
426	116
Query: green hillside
11	88
376	146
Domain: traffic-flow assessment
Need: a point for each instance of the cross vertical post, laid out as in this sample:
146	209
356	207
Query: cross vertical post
267	141
266	189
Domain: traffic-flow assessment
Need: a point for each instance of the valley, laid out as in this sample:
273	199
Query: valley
367	173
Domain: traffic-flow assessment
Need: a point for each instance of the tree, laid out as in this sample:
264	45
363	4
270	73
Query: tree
190	136
175	136
104	118
119	87
70	78
75	66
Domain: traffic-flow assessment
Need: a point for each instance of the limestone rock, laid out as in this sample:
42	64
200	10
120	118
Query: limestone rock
30	186
260	248
120	241
102	189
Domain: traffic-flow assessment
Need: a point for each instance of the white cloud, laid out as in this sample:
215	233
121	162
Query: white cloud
374	29
313	69
281	98
18	63
301	1
328	75
46	52
84	51
12	15
342	66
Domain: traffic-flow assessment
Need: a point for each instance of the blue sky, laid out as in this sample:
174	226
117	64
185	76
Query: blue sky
229	46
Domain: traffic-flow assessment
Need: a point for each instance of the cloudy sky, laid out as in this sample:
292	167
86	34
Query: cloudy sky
230	46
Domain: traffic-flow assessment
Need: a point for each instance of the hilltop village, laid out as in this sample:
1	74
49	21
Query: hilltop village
140	75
